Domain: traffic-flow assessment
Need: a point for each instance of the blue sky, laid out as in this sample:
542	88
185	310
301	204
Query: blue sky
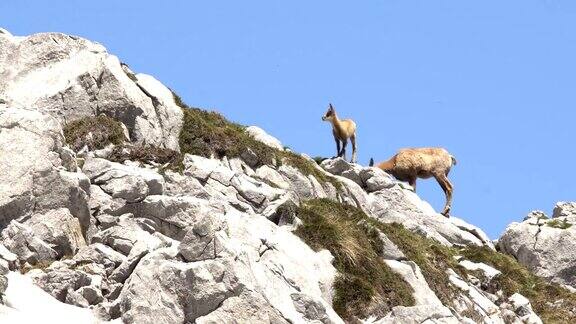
492	81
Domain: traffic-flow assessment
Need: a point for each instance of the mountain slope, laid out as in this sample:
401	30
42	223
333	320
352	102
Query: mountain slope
118	198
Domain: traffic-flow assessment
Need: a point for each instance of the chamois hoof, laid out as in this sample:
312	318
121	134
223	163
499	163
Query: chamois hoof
446	213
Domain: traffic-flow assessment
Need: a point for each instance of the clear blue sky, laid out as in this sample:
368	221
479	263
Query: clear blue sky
492	81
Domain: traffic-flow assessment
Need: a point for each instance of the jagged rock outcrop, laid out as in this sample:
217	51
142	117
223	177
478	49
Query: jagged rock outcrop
69	77
545	246
213	240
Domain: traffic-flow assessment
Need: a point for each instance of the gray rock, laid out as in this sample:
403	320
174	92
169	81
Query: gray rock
172	215
271	176
202	241
375	179
299	183
21	240
522	307
59	229
341	167
127	234
564	209
545	249
251	158
122	181
30	161
420	314
412	274
60	282
99	254
73	78
260	135
249	307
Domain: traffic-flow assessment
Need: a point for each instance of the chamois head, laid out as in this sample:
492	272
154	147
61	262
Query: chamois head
329	114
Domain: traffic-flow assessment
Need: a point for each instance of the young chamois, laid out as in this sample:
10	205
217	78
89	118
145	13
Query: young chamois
412	163
342	130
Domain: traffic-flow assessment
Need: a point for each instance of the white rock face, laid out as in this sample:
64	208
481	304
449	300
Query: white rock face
69	77
30	143
545	246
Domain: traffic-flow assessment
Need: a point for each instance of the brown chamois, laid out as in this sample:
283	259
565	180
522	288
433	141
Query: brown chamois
413	163
342	130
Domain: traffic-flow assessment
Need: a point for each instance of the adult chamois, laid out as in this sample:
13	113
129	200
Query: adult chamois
342	130
413	163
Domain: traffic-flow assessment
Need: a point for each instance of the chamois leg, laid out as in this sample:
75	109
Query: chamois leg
447	187
343	152
354	148
337	146
412	183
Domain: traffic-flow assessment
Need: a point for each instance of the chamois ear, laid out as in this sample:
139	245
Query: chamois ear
371	162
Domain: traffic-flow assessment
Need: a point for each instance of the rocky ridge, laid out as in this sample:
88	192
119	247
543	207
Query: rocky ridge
87	239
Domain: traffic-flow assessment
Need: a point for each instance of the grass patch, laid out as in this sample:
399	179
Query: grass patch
432	257
209	134
94	132
169	159
551	302
366	285
559	224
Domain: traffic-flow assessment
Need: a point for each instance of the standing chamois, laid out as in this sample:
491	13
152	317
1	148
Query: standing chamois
412	163
342	131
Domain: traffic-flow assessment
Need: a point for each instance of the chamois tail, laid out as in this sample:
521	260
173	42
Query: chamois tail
454	162
371	162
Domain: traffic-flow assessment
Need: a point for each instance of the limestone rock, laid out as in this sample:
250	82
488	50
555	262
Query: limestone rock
73	78
121	181
260	135
546	247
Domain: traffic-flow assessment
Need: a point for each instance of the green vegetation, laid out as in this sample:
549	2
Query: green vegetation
365	281
210	134
432	257
148	154
352	237
559	224
551	302
94	132
319	159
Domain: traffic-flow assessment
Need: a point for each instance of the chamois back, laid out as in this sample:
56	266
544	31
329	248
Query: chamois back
423	162
413	163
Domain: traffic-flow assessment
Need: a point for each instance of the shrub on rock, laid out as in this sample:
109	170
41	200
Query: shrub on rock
94	132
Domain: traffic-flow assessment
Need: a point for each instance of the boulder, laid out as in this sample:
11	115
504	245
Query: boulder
32	178
202	241
260	135
22	241
130	183
522	307
58	282
249	307
59	229
341	167
100	254
547	247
